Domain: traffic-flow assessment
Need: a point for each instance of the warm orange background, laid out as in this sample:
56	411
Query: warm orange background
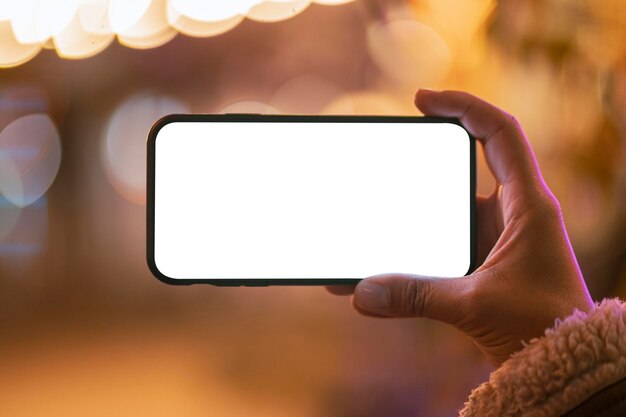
85	330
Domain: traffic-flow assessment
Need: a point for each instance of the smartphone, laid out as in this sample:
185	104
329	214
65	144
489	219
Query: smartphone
250	199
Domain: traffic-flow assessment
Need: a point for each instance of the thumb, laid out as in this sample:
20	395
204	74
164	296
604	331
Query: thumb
405	295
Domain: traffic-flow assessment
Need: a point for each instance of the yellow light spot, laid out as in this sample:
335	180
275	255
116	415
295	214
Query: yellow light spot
13	53
274	11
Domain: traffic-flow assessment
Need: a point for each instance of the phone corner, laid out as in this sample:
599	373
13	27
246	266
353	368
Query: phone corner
471	266
156	272
160	124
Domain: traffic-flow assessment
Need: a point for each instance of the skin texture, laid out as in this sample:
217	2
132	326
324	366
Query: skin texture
528	274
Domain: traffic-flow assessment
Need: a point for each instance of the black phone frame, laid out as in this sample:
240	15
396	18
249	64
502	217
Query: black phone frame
254	117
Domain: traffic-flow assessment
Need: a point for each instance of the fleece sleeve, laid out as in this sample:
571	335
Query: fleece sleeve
580	356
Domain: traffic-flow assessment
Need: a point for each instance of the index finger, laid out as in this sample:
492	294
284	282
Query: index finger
507	150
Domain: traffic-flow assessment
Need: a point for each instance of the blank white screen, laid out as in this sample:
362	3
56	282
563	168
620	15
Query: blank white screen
311	200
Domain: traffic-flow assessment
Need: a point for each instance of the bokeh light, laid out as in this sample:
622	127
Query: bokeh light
12	52
305	94
409	52
76	292
274	11
9	215
459	21
369	103
148	41
94	17
124	15
23	230
333	2
149	30
83	28
212	10
249	106
124	150
30	155
199	28
75	42
37	20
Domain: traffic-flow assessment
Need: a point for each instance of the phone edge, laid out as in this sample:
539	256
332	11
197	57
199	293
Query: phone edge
253	117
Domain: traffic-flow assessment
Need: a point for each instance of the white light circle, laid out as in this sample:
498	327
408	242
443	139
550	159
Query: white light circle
36	20
30	155
192	27
274	11
124	14
74	42
333	2
152	23
211	11
8	9
148	41
124	150
94	17
13	53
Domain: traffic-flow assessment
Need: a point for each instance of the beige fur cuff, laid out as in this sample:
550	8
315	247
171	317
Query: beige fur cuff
579	356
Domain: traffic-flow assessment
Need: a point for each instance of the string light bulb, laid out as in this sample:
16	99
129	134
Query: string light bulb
82	28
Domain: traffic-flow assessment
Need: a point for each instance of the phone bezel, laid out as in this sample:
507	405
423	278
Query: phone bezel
246	117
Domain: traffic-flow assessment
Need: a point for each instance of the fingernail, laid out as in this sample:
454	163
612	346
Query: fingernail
371	296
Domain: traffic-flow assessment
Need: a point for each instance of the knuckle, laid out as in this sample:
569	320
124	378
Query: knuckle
415	297
546	207
507	125
510	122
513	121
553	206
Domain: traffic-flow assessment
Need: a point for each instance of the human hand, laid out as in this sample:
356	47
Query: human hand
528	274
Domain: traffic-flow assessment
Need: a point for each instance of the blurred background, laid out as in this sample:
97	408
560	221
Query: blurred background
84	327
